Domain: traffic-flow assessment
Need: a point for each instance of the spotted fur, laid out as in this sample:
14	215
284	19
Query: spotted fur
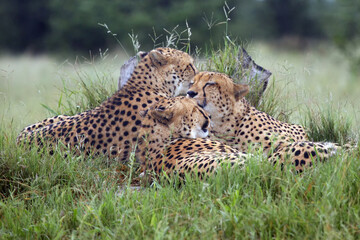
171	140
45	122
112	128
235	122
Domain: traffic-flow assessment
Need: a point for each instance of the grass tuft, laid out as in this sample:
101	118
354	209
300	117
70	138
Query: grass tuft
222	59
88	89
328	124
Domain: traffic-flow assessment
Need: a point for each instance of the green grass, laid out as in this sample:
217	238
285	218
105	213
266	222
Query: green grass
52	197
27	84
328	124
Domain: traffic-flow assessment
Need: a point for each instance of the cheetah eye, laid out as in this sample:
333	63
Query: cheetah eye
205	125
160	108
209	84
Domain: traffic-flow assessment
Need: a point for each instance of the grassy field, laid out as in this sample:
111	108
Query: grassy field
49	197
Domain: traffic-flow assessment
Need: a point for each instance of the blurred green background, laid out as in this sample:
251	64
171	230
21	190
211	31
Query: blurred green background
57	25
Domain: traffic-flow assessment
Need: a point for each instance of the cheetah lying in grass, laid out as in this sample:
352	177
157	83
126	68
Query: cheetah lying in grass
171	140
240	125
112	128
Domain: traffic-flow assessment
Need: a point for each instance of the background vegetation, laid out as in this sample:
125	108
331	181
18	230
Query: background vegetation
310	47
56	26
53	25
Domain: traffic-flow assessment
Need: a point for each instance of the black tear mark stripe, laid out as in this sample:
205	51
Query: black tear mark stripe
203	89
204	95
206	124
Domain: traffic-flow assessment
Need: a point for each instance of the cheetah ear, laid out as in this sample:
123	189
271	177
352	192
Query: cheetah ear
157	58
163	115
240	91
142	54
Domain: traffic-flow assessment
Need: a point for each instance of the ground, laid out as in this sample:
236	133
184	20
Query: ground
44	196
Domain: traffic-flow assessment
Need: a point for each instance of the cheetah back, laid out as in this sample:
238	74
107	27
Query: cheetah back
112	128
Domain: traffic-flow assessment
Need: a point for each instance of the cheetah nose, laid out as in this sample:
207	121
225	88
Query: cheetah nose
191	94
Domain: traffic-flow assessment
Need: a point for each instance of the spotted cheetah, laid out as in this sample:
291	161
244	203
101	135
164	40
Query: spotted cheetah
112	128
235	122
171	139
45	122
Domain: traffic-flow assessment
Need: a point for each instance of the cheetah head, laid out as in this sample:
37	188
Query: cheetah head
216	93
174	68
178	117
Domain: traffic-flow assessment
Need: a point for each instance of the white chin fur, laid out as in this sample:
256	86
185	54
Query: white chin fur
211	109
199	134
181	89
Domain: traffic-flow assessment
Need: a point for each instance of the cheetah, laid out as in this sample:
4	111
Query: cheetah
112	128
235	122
45	122
172	139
